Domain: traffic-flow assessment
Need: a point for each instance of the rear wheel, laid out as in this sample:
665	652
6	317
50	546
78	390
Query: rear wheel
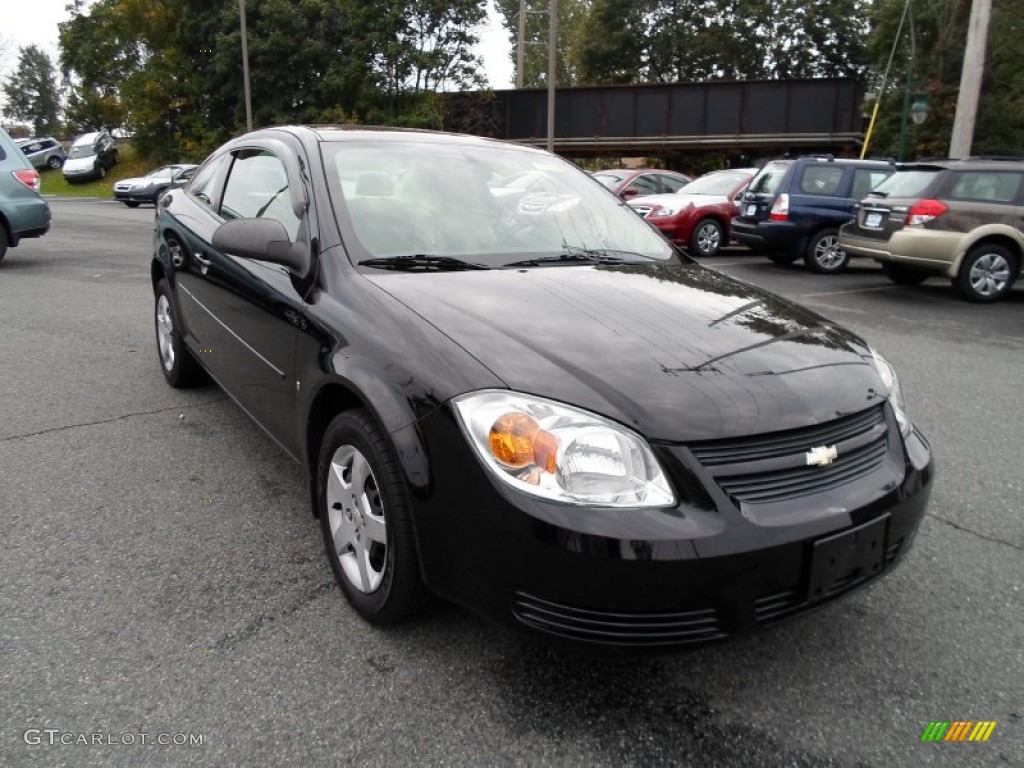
987	273
131	203
54	162
3	242
366	520
706	238
101	170
901	274
824	254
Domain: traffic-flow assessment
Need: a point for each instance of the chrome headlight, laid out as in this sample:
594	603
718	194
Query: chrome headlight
893	391
561	453
664	212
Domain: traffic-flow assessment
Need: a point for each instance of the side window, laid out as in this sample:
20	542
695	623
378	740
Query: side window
207	182
987	186
821	179
671	183
258	187
647	184
865	179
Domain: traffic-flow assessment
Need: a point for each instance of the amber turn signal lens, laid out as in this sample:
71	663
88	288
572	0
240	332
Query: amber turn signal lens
517	440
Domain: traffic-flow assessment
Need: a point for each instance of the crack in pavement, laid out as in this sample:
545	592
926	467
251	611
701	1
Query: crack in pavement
233	639
983	536
113	419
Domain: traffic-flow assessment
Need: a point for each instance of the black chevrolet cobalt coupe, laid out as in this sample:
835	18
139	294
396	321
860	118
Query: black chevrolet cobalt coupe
524	398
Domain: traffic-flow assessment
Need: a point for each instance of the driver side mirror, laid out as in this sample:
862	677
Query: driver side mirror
262	239
629	192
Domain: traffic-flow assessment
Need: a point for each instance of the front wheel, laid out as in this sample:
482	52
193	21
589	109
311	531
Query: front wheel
366	520
178	366
901	274
706	238
987	273
782	259
101	171
824	254
131	203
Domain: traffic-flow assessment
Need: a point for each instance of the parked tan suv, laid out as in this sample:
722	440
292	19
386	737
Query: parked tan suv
959	218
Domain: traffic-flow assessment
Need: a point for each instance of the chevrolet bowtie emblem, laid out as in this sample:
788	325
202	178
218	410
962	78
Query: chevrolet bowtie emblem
821	455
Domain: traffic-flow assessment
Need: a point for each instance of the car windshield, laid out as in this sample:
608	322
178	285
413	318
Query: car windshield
906	182
610	180
430	199
714	184
768	179
82	150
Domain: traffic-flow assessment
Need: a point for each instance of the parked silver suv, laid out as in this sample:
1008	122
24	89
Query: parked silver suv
960	218
43	152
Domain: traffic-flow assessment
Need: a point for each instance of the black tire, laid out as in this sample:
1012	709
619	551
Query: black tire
101	171
901	274
3	242
987	273
179	368
782	259
706	239
393	594
54	162
131	203
824	254
116	159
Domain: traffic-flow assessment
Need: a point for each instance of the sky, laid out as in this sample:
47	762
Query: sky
35	22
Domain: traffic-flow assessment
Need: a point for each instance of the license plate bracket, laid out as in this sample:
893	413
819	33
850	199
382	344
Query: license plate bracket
873	220
752	209
847	558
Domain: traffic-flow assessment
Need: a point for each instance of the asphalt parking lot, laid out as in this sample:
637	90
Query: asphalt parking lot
163	579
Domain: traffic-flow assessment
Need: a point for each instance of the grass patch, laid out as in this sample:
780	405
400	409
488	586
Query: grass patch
130	165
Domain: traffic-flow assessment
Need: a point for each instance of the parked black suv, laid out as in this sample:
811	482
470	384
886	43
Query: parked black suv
794	207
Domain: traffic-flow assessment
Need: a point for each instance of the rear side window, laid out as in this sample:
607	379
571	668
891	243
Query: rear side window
986	186
911	182
821	180
768	179
866	179
671	183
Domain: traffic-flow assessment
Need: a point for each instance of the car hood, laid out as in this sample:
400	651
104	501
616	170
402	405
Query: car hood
678	201
678	352
80	163
146	181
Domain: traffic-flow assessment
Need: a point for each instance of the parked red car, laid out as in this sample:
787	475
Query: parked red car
628	183
697	216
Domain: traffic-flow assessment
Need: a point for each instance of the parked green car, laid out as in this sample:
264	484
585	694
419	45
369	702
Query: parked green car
23	213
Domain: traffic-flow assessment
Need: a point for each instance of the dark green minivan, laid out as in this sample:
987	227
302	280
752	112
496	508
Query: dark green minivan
23	212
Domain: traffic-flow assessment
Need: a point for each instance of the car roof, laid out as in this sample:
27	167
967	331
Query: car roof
87	138
967	163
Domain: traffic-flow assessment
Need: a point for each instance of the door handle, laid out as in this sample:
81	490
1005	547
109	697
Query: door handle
202	259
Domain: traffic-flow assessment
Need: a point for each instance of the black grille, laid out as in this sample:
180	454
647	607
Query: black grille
779	485
632	629
737	450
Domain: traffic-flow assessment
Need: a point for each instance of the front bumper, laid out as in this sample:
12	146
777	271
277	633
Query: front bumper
621	580
73	176
134	195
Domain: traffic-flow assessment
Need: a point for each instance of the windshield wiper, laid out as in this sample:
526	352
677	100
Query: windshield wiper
420	261
574	254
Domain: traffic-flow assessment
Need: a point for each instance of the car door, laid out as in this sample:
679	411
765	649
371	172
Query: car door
245	313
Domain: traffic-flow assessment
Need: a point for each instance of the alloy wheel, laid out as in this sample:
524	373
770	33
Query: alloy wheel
828	254
165	332
709	236
356	516
989	275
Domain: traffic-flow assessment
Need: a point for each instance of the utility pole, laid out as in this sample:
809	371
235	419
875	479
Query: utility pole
970	79
245	67
521	46
552	70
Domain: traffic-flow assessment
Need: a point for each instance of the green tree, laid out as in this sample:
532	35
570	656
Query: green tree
31	92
